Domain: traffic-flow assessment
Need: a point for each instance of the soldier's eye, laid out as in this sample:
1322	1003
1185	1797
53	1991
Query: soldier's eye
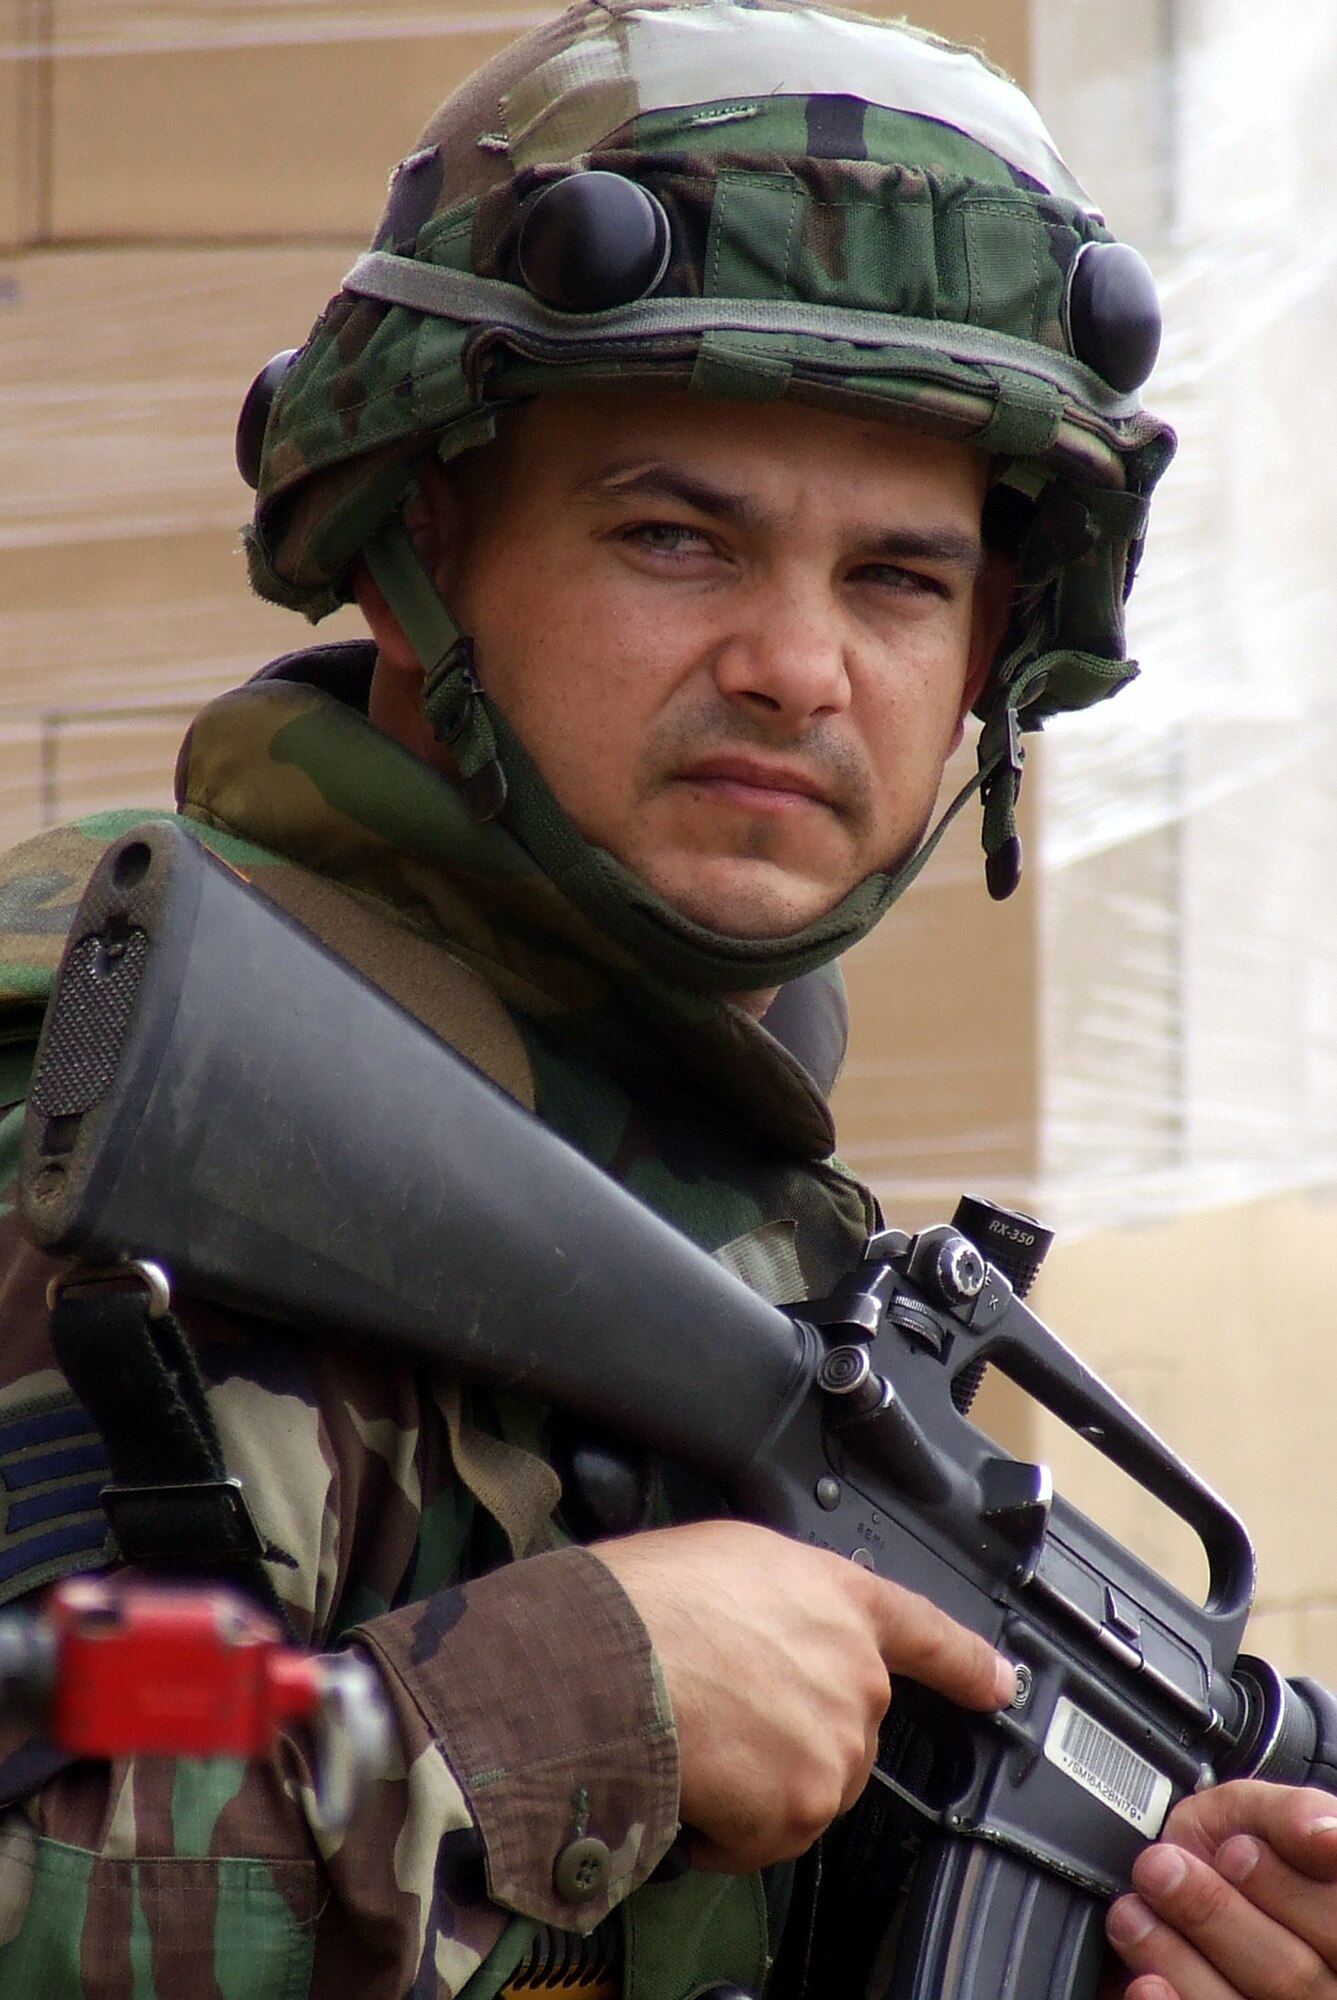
668	538
910	582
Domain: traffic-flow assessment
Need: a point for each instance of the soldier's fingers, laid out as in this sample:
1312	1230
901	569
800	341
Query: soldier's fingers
1303	1907
1192	1927
1297	1823
1166	1965
920	1641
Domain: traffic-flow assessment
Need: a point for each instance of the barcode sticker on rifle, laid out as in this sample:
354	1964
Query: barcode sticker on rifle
1102	1764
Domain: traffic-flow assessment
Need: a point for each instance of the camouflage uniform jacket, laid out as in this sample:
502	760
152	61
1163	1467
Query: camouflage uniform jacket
527	1702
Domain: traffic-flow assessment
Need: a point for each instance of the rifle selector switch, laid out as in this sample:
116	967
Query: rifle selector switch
919	1323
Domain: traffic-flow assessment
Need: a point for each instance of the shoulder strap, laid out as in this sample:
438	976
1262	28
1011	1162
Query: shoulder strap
171	1504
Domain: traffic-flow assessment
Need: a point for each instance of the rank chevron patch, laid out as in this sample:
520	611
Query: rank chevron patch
53	1466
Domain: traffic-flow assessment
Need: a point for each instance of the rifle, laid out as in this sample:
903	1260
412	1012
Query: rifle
185	1114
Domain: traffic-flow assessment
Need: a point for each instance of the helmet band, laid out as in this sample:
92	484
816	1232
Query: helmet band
439	292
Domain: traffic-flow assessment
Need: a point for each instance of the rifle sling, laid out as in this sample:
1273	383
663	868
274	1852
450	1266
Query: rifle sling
171	1504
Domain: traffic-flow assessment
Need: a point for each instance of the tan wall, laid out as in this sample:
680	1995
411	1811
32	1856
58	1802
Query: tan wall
151	144
24	75
1215	1327
123	596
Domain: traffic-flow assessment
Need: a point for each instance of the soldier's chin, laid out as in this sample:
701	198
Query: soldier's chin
757	908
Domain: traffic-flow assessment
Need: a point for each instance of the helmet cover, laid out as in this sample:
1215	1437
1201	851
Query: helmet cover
836	209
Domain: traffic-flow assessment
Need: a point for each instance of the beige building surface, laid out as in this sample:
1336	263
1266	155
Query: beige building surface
1143	1045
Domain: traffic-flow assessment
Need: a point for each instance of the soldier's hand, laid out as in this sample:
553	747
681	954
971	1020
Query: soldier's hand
1236	1901
777	1658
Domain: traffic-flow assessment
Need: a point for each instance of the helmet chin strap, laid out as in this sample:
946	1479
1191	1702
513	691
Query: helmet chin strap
500	779
451	696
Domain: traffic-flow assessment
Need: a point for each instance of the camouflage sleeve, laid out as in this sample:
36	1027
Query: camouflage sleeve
564	1742
529	1710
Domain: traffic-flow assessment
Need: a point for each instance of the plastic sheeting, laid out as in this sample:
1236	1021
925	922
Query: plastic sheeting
1189	908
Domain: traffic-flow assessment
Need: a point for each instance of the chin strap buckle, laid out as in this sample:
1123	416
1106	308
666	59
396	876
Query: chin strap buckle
452	697
1002	756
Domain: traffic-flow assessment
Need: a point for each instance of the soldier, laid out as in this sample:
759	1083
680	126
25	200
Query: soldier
736	395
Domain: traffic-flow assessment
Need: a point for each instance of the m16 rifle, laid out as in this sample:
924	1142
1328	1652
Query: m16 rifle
186	1114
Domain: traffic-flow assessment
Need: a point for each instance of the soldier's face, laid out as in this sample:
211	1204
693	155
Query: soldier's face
738	641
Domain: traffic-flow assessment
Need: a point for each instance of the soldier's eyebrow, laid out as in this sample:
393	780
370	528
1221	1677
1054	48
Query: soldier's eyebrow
662	480
935	545
657	480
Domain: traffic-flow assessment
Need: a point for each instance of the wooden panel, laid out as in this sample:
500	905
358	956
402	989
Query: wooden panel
172	136
121	575
24	84
122	374
94	762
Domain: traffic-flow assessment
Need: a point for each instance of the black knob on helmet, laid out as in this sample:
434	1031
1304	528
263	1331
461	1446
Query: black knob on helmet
593	241
255	414
1114	314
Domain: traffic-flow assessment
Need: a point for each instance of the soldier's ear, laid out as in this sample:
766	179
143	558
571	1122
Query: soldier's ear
995	588
432	517
392	648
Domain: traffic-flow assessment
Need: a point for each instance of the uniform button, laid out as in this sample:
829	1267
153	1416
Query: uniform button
582	1870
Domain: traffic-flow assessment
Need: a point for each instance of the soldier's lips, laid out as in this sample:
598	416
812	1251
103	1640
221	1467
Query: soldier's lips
758	785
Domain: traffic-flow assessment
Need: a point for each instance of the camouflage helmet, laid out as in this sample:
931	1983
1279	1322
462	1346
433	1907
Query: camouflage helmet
751	199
